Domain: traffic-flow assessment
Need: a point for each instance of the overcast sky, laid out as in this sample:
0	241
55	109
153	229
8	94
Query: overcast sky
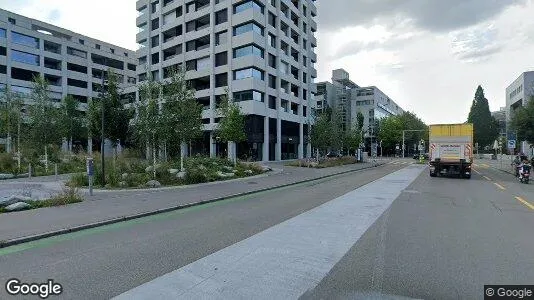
427	55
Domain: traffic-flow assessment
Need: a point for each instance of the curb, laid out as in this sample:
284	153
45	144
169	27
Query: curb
16	241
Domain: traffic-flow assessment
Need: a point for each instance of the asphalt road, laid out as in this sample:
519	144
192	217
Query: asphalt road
443	238
103	262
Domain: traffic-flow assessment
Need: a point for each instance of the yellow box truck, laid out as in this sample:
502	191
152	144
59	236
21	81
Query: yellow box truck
451	149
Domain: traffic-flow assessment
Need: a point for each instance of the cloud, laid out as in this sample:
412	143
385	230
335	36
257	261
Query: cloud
435	16
476	44
54	15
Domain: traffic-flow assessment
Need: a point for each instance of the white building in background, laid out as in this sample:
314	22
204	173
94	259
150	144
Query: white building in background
262	51
518	93
349	98
72	63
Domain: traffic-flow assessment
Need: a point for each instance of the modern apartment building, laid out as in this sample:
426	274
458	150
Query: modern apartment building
349	98
518	93
73	64
263	52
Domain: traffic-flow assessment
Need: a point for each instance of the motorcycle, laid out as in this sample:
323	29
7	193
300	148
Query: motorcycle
524	174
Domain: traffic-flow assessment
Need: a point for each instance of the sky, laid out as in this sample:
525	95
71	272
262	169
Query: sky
429	56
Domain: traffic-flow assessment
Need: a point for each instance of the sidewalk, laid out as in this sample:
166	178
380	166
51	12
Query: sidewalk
499	164
110	207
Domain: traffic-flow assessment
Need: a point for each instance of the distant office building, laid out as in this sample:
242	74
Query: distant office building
349	98
500	117
262	51
73	64
518	93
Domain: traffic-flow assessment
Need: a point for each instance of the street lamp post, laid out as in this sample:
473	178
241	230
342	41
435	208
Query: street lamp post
102	142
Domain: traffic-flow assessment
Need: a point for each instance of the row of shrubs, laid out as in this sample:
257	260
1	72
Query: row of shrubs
324	163
69	195
131	172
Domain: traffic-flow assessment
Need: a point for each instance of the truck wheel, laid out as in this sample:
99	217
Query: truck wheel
433	174
467	176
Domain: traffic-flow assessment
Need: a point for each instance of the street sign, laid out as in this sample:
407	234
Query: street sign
510	135
421	148
511	144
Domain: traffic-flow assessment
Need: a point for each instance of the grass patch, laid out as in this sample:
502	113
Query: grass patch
324	163
69	195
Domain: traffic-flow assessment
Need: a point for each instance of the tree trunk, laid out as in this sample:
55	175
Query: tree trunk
154	160
18	144
70	145
183	154
232	155
46	159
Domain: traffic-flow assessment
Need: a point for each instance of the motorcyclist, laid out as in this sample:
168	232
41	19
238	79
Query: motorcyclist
516	163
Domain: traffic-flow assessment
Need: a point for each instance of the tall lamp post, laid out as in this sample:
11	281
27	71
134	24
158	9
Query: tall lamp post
102	142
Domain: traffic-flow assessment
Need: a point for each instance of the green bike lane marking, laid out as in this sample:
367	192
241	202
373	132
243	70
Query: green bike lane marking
50	241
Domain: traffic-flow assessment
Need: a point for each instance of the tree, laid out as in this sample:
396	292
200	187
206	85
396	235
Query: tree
390	132
352	137
336	129
181	112
523	121
484	124
44	118
231	128
320	132
72	125
116	116
149	125
11	117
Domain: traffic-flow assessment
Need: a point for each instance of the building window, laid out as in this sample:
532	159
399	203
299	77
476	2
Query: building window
154	6
248	50
272	40
12	21
51	63
26	40
221	38
155	58
272	81
248	5
3	51
221	16
272	19
248	73
97	46
2	33
3	69
131	67
221	59
272	61
76	83
112	50
248	95
203	63
76	68
247	27
81	41
76	52
221	80
24	57
155	24
272	102
154	41
52	47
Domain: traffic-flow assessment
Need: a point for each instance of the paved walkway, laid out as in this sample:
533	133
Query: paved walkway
106	206
501	163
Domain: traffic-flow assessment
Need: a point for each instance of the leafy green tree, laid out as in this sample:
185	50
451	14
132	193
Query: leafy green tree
352	138
149	124
523	121
320	132
390	132
231	128
44	118
182	113
485	126
116	116
72	123
11	106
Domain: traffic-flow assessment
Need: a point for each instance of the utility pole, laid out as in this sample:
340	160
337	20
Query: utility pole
102	129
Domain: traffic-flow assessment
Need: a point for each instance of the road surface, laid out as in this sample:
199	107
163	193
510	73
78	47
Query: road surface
350	236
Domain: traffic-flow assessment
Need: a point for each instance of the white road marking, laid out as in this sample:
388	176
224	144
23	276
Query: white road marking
286	260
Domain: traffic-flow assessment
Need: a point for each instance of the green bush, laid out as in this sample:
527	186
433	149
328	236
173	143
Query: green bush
68	196
137	179
193	176
78	180
7	163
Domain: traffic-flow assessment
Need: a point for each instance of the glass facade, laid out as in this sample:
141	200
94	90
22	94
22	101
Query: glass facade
247	28
24	57
248	73
248	5
248	95
25	40
2	33
248	50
